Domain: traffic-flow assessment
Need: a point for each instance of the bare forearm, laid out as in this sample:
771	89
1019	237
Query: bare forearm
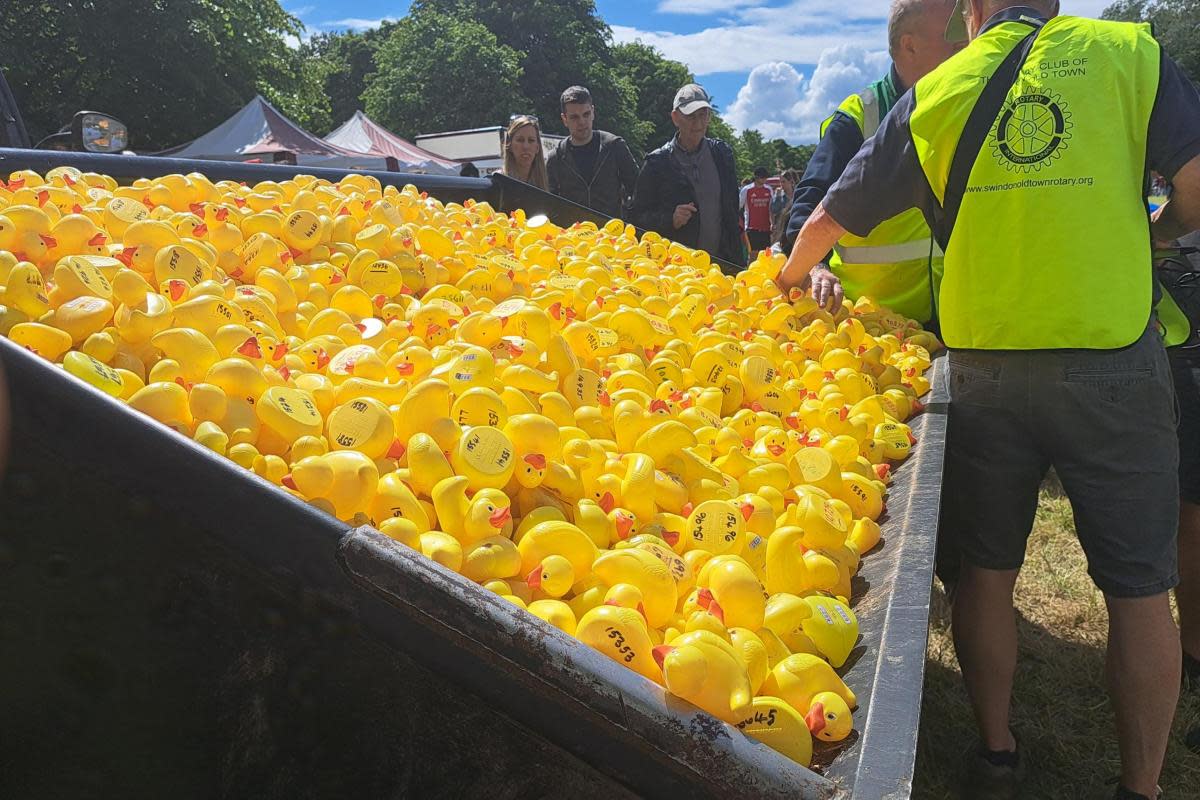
818	236
1181	215
1175	221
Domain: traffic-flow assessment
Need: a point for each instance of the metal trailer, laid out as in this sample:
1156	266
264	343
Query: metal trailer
173	626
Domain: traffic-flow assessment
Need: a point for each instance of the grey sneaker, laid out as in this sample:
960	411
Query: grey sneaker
987	780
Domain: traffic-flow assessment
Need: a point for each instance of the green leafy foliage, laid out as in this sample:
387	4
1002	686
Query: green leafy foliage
347	59
169	69
173	69
562	43
656	79
1175	24
440	72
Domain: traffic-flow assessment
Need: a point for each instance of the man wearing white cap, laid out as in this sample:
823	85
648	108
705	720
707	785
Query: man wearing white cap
1028	153
687	189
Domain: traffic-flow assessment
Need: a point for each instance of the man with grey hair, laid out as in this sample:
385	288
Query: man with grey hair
893	263
1029	153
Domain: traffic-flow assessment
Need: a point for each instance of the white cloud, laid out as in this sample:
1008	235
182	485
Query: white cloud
778	102
734	49
797	32
354	23
846	39
300	11
704	7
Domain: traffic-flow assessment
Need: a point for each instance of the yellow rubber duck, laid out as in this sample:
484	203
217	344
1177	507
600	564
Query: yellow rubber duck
555	613
808	684
776	724
736	589
473	519
394	499
645	571
555	555
535	439
832	627
620	633
427	464
491	558
786	570
703	669
346	479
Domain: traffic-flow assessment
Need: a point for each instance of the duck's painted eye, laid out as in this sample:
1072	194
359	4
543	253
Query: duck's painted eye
491	507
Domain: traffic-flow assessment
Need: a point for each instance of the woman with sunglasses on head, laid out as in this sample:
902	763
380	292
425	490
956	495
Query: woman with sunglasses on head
523	157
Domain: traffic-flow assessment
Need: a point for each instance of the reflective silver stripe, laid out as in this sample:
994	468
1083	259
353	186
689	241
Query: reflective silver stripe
888	253
870	113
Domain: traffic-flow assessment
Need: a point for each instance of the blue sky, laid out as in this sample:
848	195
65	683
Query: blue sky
779	66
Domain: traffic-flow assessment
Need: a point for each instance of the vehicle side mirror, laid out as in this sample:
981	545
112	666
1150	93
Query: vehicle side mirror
93	132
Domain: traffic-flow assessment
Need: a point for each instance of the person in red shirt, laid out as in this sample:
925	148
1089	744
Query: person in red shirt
758	212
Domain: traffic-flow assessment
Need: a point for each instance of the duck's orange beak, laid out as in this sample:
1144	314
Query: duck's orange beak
687	509
407	368
793	421
883	471
776	450
397	450
607	503
250	348
747	510
49	241
815	718
322	358
500	517
287	481
671	537
624	526
534	579
536	460
659	405
97	240
176	288
279	351
661	652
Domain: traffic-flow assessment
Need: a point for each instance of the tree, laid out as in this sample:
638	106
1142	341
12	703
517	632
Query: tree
656	79
562	43
348	59
440	72
169	69
1175	24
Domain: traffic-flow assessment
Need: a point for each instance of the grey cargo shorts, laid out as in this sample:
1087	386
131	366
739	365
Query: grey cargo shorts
1105	420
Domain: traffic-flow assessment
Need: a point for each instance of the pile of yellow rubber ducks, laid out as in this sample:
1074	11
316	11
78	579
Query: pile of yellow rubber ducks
678	468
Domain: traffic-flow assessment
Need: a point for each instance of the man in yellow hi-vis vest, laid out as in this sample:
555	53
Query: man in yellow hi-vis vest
892	264
1028	153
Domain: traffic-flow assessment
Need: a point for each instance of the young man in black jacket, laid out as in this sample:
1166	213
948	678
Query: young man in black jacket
592	168
687	189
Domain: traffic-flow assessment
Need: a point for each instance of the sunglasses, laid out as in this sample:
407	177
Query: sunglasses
532	118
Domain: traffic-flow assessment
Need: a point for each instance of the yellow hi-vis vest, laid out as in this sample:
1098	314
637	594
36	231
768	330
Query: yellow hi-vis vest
1051	248
891	264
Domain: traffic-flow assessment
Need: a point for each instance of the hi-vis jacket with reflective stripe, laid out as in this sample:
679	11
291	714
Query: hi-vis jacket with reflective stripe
1051	246
893	263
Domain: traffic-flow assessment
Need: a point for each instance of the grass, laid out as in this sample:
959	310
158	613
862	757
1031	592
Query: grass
1061	709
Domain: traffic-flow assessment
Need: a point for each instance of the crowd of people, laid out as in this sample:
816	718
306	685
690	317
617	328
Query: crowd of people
1005	207
687	189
